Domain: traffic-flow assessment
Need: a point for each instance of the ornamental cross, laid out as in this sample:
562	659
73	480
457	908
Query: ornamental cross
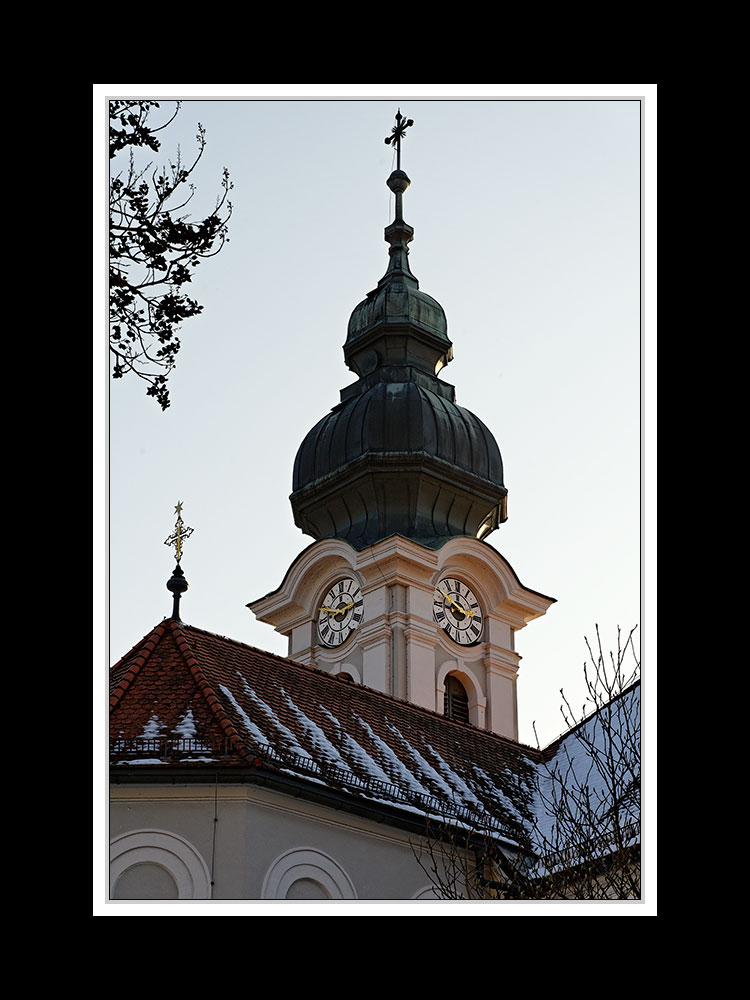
180	532
397	134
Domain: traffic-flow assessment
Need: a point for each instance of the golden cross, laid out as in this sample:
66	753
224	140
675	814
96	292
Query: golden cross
180	532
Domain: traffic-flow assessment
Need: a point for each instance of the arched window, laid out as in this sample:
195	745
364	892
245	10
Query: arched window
456	703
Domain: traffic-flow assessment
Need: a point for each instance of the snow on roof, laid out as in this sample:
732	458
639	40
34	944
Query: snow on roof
589	783
186	696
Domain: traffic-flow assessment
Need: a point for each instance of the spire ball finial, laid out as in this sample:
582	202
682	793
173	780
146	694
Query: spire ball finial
177	585
398	182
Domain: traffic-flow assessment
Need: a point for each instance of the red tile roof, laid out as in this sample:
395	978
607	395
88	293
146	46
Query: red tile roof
184	697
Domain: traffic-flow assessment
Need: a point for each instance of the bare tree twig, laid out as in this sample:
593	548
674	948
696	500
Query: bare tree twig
584	836
153	251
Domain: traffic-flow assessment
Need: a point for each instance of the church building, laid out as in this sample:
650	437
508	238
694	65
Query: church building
237	774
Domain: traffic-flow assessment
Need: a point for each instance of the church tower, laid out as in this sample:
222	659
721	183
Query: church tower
399	487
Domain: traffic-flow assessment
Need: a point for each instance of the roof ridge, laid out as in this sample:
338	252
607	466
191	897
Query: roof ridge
138	644
213	701
147	645
551	749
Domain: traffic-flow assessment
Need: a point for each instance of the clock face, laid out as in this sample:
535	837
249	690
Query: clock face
457	611
340	612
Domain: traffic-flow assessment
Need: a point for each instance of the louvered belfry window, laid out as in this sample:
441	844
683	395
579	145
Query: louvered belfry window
456	704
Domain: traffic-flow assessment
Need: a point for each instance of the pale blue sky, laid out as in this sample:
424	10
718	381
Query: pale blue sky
527	218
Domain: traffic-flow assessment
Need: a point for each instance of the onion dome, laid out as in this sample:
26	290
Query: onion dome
398	458
397	454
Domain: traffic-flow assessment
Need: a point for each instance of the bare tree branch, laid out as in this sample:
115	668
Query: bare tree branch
584	833
153	251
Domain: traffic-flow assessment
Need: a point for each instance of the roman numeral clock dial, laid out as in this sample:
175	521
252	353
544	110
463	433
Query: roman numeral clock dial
456	610
340	613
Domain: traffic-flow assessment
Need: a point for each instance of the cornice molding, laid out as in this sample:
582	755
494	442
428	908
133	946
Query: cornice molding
374	633
419	632
501	661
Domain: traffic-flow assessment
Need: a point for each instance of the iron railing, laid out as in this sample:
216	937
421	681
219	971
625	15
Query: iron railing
166	750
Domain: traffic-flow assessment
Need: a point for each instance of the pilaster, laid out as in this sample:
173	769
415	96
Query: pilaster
374	639
501	671
420	651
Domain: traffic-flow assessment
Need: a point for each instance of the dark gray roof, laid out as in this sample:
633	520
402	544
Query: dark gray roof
403	418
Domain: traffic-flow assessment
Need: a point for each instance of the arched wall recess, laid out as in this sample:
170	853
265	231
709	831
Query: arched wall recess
310	864
173	853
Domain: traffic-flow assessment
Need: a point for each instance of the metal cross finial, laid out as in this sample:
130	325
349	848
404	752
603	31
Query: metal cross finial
397	133
180	532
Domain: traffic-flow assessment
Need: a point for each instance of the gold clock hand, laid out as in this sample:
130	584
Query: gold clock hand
337	611
464	611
